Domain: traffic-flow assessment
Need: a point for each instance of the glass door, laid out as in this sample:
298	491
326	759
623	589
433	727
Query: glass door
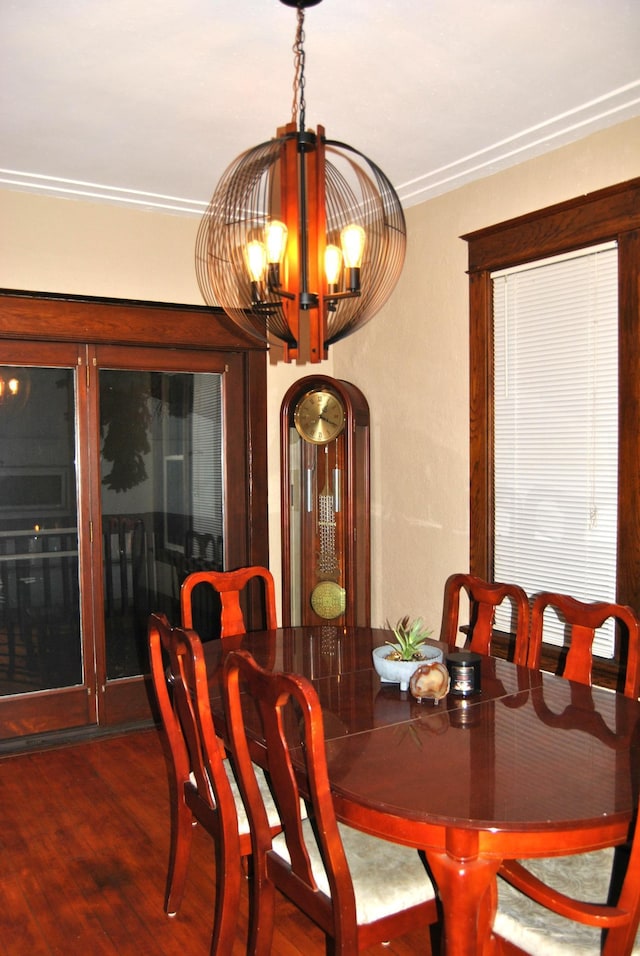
161	499
46	675
161	502
122	468
86	553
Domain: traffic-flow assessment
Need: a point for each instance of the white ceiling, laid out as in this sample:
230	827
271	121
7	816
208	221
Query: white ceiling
148	101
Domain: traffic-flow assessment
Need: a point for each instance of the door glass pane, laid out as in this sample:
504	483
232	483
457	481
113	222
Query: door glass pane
161	474
40	644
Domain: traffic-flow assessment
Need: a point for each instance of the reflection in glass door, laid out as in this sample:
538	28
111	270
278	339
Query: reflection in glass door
161	500
40	635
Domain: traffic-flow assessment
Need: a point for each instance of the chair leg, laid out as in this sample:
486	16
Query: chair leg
181	833
225	918
435	939
262	904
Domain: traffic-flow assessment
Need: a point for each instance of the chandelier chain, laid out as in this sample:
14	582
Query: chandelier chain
299	103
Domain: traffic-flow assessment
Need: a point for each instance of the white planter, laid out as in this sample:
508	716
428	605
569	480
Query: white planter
400	672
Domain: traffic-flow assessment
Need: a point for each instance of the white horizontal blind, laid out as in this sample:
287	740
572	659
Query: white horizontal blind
556	428
207	454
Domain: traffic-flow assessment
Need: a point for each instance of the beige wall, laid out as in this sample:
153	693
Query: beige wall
411	360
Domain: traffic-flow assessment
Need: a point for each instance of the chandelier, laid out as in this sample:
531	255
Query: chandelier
304	238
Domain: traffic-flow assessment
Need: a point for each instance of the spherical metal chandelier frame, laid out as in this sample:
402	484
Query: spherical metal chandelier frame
316	191
249	195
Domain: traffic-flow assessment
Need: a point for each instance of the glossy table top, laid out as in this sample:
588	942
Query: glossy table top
501	758
530	765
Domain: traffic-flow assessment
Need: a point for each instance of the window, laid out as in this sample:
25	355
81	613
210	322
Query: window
611	215
556	428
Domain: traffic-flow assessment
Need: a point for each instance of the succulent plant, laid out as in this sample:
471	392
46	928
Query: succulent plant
410	636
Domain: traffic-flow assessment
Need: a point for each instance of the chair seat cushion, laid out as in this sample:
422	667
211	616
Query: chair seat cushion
537	930
386	876
243	822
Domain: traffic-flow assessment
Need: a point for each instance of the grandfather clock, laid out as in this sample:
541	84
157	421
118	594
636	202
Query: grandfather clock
326	537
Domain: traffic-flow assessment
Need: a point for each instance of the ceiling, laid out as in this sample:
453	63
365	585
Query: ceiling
147	102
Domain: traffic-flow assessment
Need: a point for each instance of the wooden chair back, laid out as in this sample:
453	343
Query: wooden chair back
484	598
293	866
553	883
229	585
583	620
199	784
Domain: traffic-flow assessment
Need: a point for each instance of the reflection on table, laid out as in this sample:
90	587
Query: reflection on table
470	781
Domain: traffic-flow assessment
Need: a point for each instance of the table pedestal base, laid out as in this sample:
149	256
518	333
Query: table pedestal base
466	886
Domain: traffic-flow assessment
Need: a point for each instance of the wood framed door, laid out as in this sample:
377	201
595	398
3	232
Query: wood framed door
47	664
115	481
159	501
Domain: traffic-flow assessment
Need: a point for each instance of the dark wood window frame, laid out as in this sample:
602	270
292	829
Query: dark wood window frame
608	214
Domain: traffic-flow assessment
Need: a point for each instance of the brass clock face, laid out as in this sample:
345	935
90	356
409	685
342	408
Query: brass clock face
319	417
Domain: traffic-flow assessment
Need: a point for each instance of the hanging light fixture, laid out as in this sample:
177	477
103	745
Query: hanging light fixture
304	238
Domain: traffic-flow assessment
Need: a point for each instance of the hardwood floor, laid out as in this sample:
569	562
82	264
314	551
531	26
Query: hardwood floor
83	855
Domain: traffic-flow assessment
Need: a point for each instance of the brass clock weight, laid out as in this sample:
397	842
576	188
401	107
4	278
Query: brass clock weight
325	503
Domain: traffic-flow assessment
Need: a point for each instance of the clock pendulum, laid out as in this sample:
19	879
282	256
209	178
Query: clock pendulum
328	598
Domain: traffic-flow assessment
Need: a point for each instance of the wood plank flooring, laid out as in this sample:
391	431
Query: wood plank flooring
83	855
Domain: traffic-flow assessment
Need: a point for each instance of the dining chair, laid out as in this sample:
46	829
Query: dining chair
357	888
201	783
548	906
229	585
484	598
582	620
541	904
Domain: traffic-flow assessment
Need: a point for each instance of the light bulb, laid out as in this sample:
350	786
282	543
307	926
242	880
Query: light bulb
332	265
276	240
256	259
353	238
14	386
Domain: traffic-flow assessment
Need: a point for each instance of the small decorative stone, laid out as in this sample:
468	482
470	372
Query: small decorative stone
430	682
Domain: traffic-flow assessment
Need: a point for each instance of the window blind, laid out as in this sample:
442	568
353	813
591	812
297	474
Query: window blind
556	429
207	454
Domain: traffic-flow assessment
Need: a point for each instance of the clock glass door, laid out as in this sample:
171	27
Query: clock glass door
316	518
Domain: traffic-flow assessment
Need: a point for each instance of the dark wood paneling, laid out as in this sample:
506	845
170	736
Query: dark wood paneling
481	427
629	419
73	318
583	221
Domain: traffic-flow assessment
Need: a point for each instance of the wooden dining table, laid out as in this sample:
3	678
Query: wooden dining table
531	765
